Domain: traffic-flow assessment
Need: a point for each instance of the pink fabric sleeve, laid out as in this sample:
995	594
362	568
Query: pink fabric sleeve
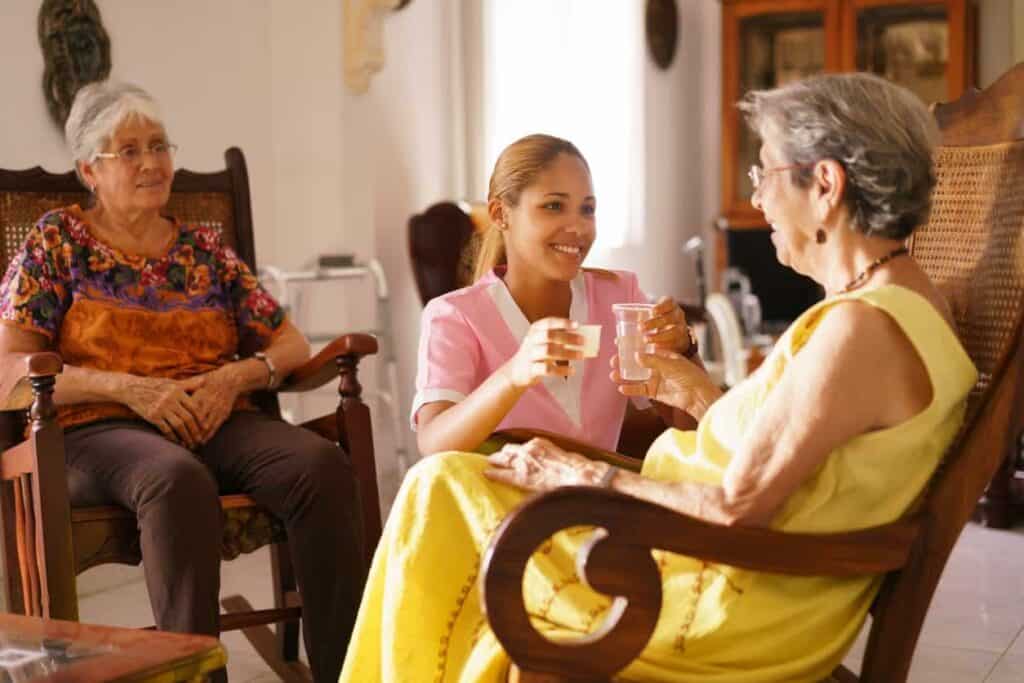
449	357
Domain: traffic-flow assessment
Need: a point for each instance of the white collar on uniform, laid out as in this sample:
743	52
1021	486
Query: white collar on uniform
566	392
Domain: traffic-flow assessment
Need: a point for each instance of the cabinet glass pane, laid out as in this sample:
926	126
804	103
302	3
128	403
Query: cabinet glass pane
907	44
774	50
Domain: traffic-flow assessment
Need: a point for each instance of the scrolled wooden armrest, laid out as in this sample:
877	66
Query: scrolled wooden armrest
15	388
572	445
618	562
323	367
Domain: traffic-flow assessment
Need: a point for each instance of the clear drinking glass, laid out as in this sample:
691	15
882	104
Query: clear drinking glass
629	337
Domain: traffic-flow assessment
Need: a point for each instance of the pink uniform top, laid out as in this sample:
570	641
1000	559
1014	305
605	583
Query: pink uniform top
468	334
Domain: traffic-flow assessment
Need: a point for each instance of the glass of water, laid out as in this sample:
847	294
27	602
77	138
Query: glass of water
629	336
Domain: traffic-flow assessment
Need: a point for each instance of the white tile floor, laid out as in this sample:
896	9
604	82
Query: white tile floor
975	627
974	632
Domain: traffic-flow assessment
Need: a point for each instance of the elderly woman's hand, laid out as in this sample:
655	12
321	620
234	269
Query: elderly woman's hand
667	329
675	381
165	404
214	393
539	465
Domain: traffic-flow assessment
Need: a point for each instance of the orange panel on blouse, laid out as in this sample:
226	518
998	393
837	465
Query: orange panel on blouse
183	314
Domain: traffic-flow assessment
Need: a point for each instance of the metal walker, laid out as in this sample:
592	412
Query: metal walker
387	381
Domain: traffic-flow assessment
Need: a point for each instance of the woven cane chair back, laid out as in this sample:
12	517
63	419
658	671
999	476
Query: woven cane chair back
972	247
21	209
205	199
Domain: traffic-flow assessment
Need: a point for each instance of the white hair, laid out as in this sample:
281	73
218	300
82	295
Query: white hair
881	133
98	110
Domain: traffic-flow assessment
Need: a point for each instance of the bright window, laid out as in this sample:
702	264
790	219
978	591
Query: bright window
572	68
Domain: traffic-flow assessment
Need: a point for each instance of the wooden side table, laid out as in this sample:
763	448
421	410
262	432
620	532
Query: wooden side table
50	651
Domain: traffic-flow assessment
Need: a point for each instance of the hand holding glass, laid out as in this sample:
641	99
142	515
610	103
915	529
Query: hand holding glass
629	337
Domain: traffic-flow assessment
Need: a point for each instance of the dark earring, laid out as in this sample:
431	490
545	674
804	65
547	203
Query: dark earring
820	236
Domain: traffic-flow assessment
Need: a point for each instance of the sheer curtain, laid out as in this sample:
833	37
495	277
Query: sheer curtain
572	68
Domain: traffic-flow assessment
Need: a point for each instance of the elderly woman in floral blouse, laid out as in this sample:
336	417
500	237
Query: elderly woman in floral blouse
148	315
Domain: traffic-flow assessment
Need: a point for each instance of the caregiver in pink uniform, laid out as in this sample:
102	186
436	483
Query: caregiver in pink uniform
506	352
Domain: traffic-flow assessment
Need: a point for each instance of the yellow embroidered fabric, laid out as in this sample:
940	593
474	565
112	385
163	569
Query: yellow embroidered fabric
421	617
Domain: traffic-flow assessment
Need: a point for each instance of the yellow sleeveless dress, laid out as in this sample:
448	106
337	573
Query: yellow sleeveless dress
421	618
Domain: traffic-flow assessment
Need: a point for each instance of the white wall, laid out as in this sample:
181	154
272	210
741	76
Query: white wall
212	84
674	110
411	130
1018	30
996	38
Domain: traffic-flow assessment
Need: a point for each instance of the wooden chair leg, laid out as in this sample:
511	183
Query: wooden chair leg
27	547
996	507
48	484
12	585
285	595
265	642
353	419
842	675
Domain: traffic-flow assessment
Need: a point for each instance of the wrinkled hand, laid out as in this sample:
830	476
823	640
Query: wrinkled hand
675	381
545	352
165	404
539	465
214	393
667	329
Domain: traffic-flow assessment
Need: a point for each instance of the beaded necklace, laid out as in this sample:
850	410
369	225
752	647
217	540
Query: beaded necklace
872	267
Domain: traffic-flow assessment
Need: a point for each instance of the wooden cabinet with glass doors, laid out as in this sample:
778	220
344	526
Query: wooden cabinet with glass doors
926	45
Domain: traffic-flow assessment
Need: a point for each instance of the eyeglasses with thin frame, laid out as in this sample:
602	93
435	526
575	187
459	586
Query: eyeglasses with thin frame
132	155
758	174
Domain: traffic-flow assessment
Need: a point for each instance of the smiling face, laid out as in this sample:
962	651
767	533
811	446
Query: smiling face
131	186
786	208
552	227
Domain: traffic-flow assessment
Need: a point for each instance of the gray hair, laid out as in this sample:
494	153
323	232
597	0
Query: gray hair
98	110
882	134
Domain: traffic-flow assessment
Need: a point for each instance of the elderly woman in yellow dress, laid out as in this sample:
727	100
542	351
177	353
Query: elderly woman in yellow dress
149	315
839	429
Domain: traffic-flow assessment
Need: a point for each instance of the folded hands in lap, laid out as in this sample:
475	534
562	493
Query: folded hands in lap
188	412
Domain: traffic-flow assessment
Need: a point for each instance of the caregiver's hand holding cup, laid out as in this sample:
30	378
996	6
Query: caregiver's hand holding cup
658	358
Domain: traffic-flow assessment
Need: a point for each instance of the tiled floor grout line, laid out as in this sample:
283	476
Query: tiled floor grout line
995	664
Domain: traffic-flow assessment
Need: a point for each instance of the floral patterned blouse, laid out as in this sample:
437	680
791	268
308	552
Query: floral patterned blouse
183	314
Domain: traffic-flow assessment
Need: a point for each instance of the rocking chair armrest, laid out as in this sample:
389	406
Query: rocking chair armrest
323	367
568	444
15	387
617	561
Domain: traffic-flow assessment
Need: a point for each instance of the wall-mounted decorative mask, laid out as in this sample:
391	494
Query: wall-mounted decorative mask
363	40
662	19
76	51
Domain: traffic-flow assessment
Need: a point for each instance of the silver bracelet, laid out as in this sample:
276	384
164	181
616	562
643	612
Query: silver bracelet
271	370
609	475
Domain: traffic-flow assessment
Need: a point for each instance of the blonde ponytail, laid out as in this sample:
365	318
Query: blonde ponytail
491	253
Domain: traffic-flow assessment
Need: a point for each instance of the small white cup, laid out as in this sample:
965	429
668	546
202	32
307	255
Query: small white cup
591	340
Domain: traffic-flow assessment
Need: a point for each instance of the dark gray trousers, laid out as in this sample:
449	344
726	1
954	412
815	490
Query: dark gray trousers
303	479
